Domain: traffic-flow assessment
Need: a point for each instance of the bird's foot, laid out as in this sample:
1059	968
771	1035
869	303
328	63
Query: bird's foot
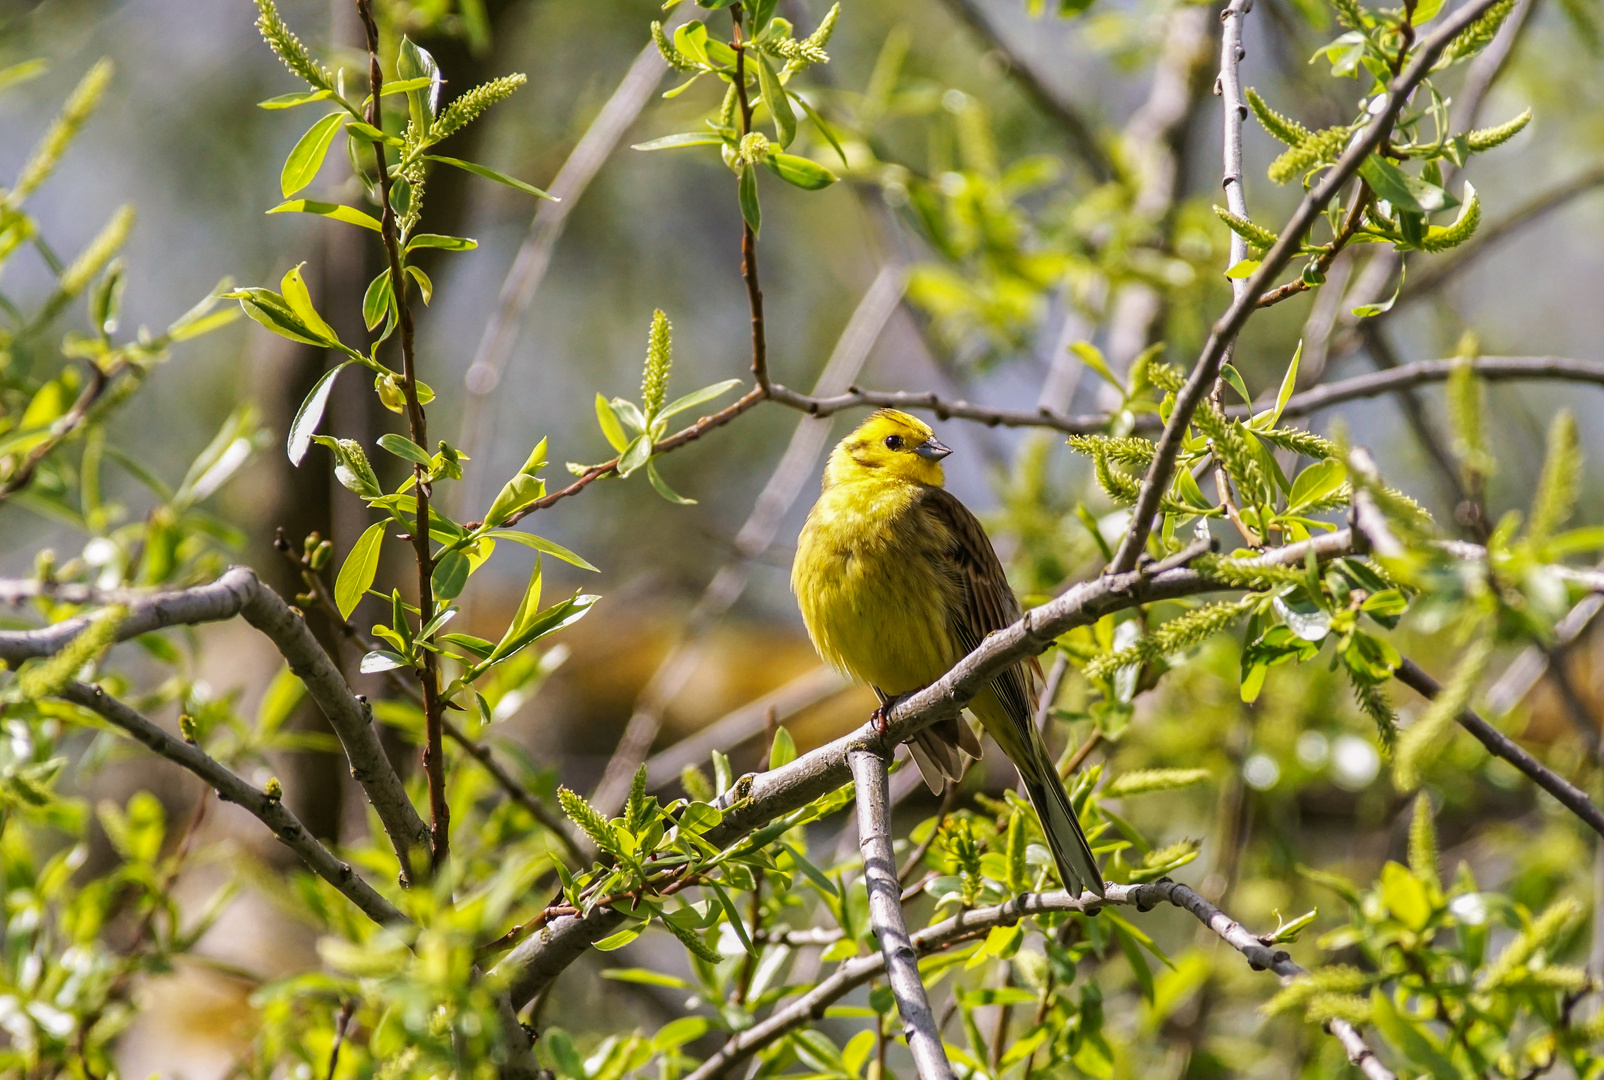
881	716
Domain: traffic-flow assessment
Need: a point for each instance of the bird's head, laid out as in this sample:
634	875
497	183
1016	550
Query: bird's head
890	445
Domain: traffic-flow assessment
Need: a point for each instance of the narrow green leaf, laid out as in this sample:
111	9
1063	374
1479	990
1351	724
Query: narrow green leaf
348	214
491	174
750	210
800	171
636	454
662	488
1092	357
610	426
540	543
734	916
376	301
1289	383
299	298
697	397
1404	192
290	101
445	243
310	415
356	574
450	575
405	449
774	97
1243	269
685	138
301	167
373	134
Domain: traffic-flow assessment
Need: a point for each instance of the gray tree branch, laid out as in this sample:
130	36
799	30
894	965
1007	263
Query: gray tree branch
901	961
240	592
231	788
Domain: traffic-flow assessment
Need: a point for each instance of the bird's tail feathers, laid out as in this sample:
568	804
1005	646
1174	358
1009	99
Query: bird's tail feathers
1077	866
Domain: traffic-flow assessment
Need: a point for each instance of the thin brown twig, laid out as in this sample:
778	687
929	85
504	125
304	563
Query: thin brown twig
341	1023
434	762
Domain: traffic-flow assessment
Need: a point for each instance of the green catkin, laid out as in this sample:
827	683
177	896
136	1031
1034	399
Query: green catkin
1423	842
635	808
581	813
1510	964
659	358
74	114
283	41
1127	450
1248	574
46	678
1560	481
1142	781
1283	128
1177	635
1115	484
1422	740
1349	13
1336	979
471	105
1479	34
691	941
92	259
1451	236
1320	148
1299	441
1372	701
1486	138
1166	377
1231	447
1257	235
696	784
675	59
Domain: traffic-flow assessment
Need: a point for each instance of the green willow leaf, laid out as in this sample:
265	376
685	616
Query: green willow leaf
290	101
356	575
310	415
750	210
491	174
687	138
444	243
301	167
540	543
348	214
800	171
774	97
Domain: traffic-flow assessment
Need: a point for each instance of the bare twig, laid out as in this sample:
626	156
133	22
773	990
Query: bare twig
885	915
229	787
240	592
968	925
1225	331
434	758
1569	795
1081	131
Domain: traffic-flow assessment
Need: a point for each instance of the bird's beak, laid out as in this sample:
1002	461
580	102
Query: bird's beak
933	449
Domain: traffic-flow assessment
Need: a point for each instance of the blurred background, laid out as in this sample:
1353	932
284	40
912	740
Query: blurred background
979	231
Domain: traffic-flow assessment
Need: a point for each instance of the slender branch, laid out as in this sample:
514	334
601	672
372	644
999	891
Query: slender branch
1081	131
871	782
271	811
1569	795
434	758
968	925
1321	397
754	291
1225	331
240	593
63	429
1328	253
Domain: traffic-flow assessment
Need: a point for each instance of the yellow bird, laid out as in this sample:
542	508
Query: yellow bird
897	582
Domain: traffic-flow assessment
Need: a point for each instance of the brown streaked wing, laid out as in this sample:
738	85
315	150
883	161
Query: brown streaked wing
988	603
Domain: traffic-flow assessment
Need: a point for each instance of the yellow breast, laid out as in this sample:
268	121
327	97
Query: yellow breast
869	579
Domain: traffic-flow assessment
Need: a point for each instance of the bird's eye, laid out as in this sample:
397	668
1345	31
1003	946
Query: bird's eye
893	442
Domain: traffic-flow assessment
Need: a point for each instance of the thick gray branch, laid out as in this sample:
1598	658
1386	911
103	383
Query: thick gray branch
885	915
855	972
1225	331
230	788
240	592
